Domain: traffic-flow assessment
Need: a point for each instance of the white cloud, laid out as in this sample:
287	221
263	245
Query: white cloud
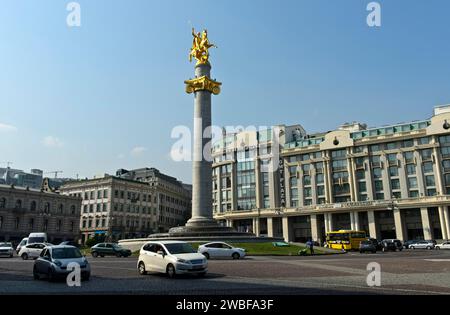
7	128
52	142
138	151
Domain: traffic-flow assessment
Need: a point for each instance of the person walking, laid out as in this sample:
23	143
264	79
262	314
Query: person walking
311	247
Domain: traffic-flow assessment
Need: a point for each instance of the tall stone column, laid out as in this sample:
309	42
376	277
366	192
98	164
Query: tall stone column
443	222
373	231
399	225
202	86
427	231
315	228
270	227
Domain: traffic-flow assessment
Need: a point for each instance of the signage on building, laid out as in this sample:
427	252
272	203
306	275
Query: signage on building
282	183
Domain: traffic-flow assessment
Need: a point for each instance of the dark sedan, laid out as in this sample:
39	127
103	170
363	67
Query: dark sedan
109	249
367	246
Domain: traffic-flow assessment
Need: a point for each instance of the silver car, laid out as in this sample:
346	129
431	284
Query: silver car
422	245
6	249
53	261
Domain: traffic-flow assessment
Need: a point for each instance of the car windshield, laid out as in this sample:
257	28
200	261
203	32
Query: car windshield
5	245
66	253
33	240
180	248
117	246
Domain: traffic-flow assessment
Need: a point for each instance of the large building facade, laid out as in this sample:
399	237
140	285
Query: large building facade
27	210
132	204
392	182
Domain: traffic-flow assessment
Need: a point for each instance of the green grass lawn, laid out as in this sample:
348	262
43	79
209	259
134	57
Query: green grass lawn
267	248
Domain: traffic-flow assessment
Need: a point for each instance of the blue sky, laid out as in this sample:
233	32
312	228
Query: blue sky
104	96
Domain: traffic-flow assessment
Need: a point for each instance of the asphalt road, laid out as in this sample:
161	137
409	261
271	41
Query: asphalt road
407	272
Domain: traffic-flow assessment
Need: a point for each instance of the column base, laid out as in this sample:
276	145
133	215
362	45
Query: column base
202	222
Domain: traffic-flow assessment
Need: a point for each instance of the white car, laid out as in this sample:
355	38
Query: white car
221	250
444	245
172	258
422	245
6	249
32	250
22	243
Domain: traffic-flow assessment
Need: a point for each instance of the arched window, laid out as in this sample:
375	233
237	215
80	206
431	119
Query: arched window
2	203
33	206
61	208
18	204
47	207
72	209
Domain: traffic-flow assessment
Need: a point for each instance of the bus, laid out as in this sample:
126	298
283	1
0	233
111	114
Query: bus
345	239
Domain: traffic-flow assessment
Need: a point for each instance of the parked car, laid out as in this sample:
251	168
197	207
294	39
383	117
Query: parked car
407	243
32	250
109	249
221	250
378	244
53	261
392	245
22	243
6	249
422	245
444	245
367	246
172	258
70	243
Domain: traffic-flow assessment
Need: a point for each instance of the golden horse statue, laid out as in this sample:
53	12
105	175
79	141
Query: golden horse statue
200	47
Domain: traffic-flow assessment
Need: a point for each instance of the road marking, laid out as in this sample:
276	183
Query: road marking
437	260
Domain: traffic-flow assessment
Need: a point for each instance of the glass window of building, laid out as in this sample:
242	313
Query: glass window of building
410	169
413	194
293	181
306	167
375	159
424	140
379	196
378	184
377	172
395	184
307	192
412	182
392	146
375	148
339	153
359	149
428	167
319	166
426	154
408	143
360	175
307	180
320	190
409	157
444	139
359	161
362	187
396	195
431	192
445	152
393	171
429	181
319	178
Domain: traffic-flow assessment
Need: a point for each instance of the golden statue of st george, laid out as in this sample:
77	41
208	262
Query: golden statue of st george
200	47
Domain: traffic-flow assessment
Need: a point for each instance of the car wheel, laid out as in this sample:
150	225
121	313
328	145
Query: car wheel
206	255
171	271
236	256
428	247
24	256
437	247
118	255
411	247
11	256
141	268
102	256
94	254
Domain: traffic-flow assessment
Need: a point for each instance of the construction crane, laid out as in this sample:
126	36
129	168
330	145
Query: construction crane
54	172
7	164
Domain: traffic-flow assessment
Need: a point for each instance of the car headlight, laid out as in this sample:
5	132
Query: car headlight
184	261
